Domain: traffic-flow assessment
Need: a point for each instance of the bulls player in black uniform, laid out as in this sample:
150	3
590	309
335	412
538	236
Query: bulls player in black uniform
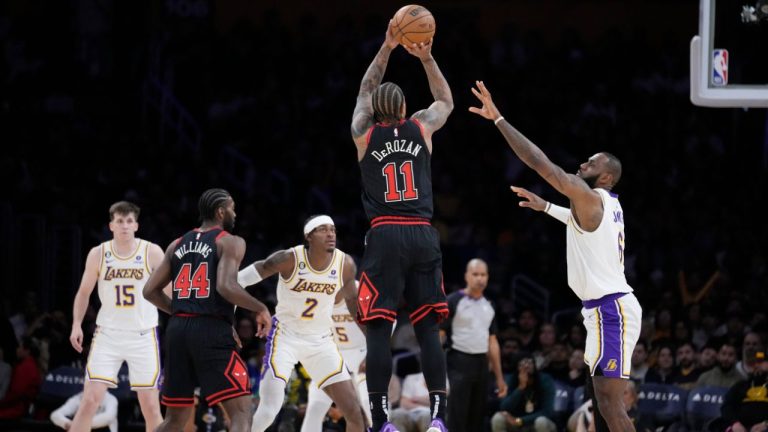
202	266
402	255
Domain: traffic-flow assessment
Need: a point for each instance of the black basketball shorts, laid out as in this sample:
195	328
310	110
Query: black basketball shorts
201	352
402	260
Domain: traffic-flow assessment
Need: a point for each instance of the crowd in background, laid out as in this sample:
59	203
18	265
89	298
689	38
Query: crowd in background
272	99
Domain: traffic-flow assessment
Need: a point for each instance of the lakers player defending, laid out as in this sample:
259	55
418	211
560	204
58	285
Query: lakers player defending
126	324
310	278
595	256
351	342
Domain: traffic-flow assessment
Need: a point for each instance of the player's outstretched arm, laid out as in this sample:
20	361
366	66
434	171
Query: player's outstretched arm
159	279
282	262
362	116
567	184
434	117
87	283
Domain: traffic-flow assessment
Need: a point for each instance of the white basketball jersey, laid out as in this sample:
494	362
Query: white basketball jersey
305	300
121	281
596	259
346	332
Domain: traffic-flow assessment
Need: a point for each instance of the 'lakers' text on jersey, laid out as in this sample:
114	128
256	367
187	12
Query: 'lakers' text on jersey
396	171
193	272
121	280
305	299
596	259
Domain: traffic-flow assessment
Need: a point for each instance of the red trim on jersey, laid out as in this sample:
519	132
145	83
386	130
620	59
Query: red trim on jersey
421	126
209	229
237	375
398	220
186	314
221	234
177	402
368	135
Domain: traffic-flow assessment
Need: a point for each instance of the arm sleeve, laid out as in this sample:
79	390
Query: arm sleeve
559	213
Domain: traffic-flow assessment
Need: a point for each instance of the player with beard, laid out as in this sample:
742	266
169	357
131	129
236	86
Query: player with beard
202	266
595	257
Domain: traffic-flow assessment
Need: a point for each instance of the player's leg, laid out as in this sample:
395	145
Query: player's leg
149	402
426	300
239	411
613	328
318	403
279	360
382	281
175	418
93	394
179	381
143	358
104	361
345	396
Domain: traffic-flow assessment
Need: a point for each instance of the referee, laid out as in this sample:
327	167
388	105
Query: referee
471	340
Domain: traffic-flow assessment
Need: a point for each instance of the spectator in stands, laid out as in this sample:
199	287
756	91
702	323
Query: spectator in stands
745	406
708	357
578	370
413	414
558	366
576	336
724	374
581	419
25	381
5	375
529	406
510	349
662	327
751	342
664	370
104	419
687	371
639	362
546	342
525	330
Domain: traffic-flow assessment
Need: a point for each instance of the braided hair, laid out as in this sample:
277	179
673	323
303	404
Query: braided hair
388	100
211	200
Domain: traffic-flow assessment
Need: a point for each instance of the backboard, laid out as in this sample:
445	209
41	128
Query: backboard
729	67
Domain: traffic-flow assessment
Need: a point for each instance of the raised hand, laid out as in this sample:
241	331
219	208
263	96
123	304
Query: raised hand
389	37
488	110
421	50
531	200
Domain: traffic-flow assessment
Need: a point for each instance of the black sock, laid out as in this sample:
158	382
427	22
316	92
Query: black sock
379	409
437	400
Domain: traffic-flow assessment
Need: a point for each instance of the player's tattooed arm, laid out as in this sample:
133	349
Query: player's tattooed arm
434	117
362	116
282	262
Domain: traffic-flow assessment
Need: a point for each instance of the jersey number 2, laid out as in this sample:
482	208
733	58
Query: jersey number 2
393	193
199	282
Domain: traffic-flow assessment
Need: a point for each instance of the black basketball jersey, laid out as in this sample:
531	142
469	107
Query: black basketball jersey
193	272
396	171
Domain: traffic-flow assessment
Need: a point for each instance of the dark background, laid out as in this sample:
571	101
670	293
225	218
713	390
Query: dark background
156	101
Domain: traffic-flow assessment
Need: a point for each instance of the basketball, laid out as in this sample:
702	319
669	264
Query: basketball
413	24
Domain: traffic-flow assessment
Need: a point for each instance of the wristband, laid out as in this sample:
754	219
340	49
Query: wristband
248	276
496	122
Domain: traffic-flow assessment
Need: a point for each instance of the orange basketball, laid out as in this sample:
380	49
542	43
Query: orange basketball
413	24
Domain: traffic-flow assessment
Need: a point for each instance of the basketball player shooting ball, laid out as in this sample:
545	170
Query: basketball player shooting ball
595	257
402	256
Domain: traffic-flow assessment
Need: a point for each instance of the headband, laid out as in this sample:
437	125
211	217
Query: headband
316	222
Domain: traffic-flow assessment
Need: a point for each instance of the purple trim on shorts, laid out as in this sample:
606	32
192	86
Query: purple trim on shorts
265	363
608	298
612	329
